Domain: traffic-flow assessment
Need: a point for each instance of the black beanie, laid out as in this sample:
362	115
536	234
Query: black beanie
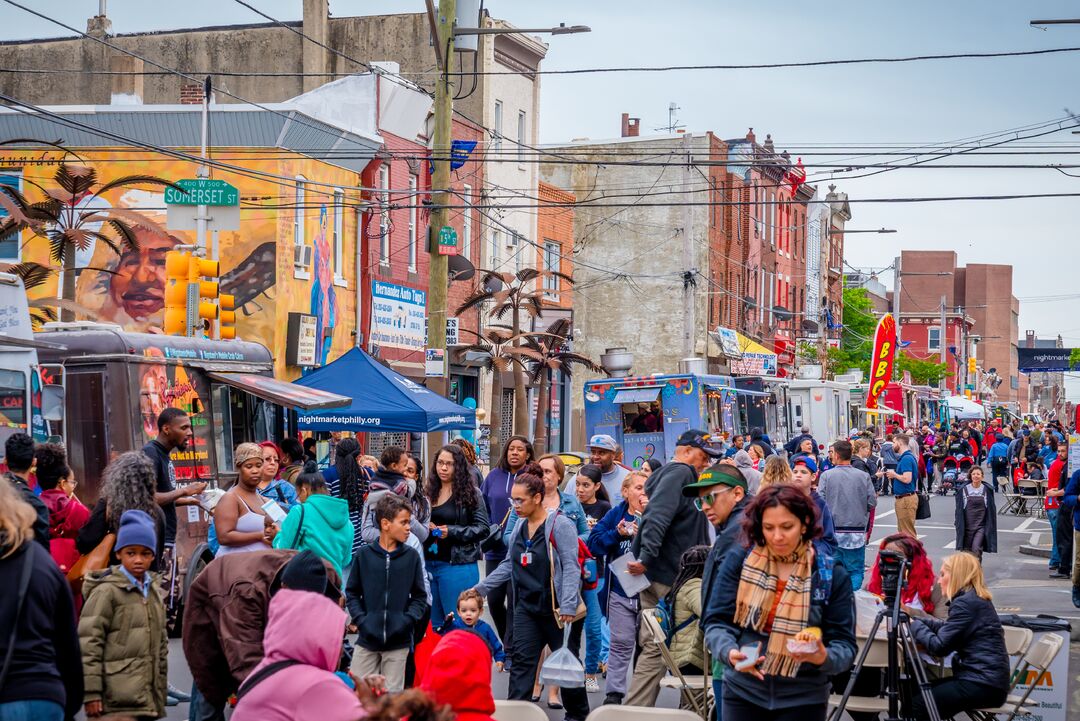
305	572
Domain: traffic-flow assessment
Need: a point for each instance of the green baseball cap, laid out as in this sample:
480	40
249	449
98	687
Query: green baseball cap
720	474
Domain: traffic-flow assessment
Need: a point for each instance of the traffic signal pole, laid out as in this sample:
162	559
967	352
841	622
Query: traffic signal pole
440	216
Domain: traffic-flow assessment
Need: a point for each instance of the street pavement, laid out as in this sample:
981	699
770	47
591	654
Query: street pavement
1020	584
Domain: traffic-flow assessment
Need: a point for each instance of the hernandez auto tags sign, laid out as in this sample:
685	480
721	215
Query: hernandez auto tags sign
398	316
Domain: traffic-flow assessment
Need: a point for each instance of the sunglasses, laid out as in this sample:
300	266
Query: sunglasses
709	499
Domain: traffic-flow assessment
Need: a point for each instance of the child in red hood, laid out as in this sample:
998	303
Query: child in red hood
459	674
66	514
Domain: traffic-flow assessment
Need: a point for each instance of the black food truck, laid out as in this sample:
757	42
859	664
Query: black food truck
113	384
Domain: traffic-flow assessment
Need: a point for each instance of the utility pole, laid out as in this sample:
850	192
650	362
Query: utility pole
943	335
896	299
824	247
440	216
689	277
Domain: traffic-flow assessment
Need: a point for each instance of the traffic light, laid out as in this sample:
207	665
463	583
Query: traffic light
176	284
198	288
971	366
227	316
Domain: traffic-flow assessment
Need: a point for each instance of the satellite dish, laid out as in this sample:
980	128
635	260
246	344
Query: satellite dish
749	301
810	326
493	284
781	312
459	268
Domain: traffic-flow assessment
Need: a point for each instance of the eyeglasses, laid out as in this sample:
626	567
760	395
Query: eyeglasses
709	499
516	502
444	464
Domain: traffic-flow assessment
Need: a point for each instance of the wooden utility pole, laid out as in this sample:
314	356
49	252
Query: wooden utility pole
440	216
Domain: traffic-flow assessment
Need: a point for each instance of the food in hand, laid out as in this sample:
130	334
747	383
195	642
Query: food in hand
811	633
805	641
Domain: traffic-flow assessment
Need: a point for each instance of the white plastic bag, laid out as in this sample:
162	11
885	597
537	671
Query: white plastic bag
867	606
562	668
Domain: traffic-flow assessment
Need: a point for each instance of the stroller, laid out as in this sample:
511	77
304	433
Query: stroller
950	473
966	464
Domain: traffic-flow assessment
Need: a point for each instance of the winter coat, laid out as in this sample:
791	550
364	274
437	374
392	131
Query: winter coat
606	542
464	536
459	676
308	628
670	525
225	615
66	517
41	523
321	525
990	539
385	482
832	609
973	631
567	575
496	492
687	646
481	629
125	647
729	536
46	664
569	506
283	492
385	596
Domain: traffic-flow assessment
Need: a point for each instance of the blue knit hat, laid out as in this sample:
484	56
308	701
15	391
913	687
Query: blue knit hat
136	529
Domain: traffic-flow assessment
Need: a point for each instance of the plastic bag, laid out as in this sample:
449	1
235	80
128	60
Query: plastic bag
562	668
867	606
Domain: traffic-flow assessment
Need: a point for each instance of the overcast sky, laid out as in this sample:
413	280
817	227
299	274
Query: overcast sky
912	103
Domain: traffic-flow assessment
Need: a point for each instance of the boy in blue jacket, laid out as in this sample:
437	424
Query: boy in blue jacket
470	605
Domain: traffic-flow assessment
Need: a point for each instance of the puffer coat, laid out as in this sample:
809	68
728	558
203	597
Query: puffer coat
125	647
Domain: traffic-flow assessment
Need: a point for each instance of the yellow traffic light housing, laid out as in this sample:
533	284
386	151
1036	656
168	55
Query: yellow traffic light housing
177	265
971	365
226	316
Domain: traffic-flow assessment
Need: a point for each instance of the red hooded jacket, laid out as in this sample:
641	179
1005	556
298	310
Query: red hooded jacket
459	674
67	516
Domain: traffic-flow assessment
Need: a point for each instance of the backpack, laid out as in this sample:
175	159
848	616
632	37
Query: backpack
665	617
586	562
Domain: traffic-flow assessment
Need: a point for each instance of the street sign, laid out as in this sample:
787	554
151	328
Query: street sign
435	363
447	241
202	191
452	331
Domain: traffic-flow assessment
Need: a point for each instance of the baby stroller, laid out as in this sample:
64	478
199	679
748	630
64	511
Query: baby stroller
950	472
966	464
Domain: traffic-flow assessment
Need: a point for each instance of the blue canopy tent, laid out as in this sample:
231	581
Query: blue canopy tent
382	400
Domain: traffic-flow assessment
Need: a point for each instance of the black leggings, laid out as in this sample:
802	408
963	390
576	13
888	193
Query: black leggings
737	709
954	696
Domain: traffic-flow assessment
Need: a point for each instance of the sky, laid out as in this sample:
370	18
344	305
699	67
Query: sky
911	104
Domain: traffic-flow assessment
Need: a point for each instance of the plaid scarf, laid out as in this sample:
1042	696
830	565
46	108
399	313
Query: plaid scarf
757	589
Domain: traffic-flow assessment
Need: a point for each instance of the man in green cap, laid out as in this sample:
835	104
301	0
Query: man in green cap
722	496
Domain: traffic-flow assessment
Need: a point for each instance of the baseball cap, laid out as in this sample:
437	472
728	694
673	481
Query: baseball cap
717	475
702	440
807	461
603	440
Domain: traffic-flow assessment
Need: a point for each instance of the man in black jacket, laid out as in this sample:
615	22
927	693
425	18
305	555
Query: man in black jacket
671	524
385	595
792	446
19	456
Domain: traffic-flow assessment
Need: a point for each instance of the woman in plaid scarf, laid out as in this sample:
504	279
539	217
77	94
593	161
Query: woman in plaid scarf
786	582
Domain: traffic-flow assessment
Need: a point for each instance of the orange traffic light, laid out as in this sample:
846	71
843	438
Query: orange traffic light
177	265
227	316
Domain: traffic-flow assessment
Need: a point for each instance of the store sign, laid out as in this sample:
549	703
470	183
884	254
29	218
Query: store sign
435	363
729	342
1043	359
754	364
301	340
881	362
452	336
398	316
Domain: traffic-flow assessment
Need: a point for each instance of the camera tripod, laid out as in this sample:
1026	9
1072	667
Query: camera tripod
898	630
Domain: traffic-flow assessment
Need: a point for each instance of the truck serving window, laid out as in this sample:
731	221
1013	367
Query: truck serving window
12	403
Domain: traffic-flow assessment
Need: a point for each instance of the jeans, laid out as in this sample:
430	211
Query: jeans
1055	552
447	583
854	560
202	710
1063	539
31	710
497	601
531	634
594	630
718	697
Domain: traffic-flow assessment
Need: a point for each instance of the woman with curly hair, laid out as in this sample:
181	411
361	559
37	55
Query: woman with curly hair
67	515
459	522
471	457
127	484
349	480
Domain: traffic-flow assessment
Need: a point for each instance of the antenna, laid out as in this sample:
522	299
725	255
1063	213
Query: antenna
673	122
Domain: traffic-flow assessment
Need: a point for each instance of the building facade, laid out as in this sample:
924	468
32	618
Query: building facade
1046	390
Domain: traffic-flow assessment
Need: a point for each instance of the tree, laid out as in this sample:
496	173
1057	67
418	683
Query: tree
509	294
923	372
64	219
1074	358
543	354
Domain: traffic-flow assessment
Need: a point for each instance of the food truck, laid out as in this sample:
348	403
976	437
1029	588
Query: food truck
763	403
679	402
113	384
823	406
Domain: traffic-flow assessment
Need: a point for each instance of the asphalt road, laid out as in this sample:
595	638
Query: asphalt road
1020	584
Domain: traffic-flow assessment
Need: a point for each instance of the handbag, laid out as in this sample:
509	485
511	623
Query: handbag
580	611
495	533
96	560
922	511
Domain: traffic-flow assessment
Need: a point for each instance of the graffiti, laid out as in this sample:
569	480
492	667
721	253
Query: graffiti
648	452
252	277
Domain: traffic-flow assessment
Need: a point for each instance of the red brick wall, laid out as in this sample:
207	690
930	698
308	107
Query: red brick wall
556	224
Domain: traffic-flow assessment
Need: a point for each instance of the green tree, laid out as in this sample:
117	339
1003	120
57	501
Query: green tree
923	372
1074	358
856	336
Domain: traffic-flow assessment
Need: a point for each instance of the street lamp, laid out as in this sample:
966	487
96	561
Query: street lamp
560	29
843	231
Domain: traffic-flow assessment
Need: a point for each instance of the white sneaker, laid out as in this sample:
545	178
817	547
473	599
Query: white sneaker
592	685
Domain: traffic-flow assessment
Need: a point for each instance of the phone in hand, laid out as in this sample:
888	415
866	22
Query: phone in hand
751	651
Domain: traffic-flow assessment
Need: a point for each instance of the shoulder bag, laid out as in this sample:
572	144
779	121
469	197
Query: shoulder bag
96	560
922	511
495	532
579	612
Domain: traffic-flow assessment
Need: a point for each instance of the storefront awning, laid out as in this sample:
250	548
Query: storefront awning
283	393
745	356
747	392
637	395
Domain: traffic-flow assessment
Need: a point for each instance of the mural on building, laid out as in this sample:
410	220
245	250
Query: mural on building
323	298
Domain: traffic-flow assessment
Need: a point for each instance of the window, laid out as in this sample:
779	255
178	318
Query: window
551	263
769	229
496	142
496	241
299	215
466	222
933	338
521	136
412	223
10	244
339	237
384	216
516	242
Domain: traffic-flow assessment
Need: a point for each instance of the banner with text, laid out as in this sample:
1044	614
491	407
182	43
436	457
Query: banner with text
398	316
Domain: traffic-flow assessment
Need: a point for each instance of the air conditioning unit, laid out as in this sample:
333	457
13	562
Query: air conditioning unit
512	240
302	256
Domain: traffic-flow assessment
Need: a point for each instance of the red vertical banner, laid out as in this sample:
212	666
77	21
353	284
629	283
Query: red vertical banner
881	362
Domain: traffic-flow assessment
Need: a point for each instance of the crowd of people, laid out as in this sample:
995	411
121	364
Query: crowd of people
356	591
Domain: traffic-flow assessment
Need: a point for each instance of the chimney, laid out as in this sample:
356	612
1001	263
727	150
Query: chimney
316	59
99	26
127	89
1030	339
751	137
191	94
630	126
769	147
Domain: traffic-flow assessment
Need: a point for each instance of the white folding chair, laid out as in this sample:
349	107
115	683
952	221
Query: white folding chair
1038	659
1030	498
690	687
877	657
518	711
639	713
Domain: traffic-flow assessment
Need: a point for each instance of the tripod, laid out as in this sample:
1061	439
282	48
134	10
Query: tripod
899	630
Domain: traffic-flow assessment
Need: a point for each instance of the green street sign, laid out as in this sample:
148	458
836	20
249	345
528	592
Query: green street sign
447	236
202	191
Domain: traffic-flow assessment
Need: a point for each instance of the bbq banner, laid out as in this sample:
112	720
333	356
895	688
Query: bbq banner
881	362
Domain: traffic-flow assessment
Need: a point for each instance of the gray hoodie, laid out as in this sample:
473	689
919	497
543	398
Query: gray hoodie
751	474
